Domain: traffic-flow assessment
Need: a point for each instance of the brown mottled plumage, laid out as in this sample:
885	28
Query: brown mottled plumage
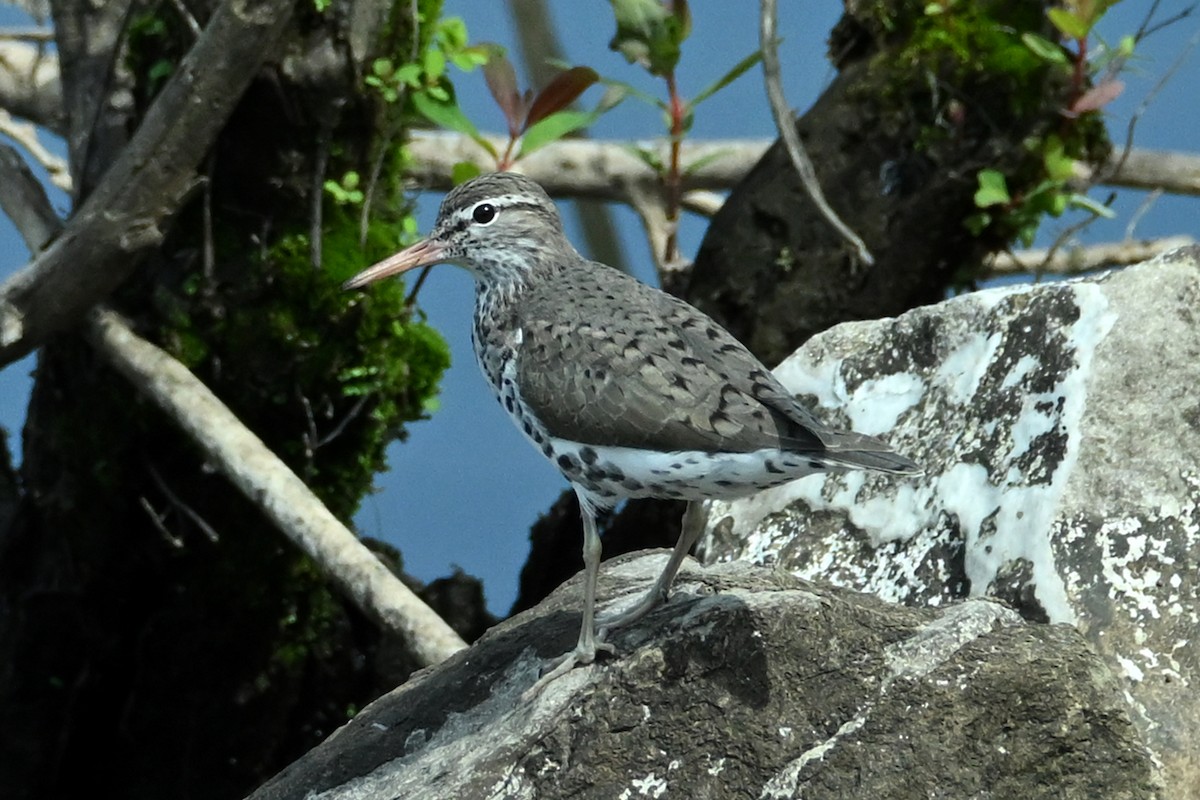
629	391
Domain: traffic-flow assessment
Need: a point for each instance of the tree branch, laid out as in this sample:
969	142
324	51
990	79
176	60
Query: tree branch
25	134
1077	260
24	201
240	455
263	478
785	123
127	214
29	84
606	169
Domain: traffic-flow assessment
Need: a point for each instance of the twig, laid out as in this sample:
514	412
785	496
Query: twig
1076	260
209	532
156	520
263	478
786	125
1143	208
706	204
27	34
1118	164
346	419
187	18
25	134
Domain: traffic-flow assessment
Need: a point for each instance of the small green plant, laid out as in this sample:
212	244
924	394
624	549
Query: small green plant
651	33
1024	214
347	191
535	120
424	81
1020	215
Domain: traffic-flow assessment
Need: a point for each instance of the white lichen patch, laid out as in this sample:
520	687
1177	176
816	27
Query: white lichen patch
1002	506
649	786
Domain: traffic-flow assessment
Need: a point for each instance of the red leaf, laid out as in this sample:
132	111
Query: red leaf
502	83
1097	97
560	93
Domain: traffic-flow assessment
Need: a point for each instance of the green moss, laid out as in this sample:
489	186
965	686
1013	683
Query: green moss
963	73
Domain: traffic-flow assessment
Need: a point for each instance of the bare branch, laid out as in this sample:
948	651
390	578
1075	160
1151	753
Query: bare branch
263	478
588	168
785	123
605	169
127	214
29	83
24	201
1173	172
25	134
1076	260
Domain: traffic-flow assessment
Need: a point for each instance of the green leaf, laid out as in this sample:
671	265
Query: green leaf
446	114
560	93
409	74
648	157
728	78
993	189
704	161
1088	204
1068	23
434	64
553	128
976	223
631	90
1044	48
1060	167
463	171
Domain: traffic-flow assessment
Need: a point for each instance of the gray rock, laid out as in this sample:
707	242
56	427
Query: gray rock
748	684
1060	427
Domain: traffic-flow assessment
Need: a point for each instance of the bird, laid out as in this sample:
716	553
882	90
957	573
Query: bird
628	390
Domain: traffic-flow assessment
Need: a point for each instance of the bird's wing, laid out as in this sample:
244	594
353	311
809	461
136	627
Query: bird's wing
650	372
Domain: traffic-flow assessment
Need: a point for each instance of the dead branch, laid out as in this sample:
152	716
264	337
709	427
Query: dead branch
785	123
606	169
256	471
263	478
29	83
126	216
1078	260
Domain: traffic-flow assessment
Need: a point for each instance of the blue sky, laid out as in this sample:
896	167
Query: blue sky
465	488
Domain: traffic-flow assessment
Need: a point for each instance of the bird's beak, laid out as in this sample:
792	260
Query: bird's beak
422	254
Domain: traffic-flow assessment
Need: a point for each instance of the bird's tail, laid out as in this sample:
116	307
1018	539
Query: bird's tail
858	451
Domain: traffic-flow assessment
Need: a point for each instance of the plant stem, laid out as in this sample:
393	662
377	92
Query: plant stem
674	177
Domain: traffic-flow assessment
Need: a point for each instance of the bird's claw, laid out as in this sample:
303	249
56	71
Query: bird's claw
581	656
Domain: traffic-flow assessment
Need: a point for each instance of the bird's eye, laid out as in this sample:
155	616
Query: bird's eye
484	213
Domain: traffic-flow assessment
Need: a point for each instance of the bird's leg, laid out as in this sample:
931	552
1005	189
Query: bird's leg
692	527
589	644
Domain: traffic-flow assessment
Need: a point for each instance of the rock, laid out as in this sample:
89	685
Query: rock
1060	428
747	684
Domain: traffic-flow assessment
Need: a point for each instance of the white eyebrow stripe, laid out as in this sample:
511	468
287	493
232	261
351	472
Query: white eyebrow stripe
500	201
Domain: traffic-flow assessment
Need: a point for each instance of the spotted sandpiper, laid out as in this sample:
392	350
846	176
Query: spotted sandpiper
629	391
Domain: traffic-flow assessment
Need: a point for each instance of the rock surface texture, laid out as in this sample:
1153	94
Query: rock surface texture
1060	428
753	684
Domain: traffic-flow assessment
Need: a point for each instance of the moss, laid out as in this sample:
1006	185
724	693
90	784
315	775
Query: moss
960	75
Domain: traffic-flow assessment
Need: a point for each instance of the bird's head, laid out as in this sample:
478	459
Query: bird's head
500	226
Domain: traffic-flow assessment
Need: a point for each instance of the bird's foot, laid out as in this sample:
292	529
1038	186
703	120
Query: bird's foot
651	600
581	656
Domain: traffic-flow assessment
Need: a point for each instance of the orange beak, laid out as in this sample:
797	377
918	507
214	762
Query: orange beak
422	254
